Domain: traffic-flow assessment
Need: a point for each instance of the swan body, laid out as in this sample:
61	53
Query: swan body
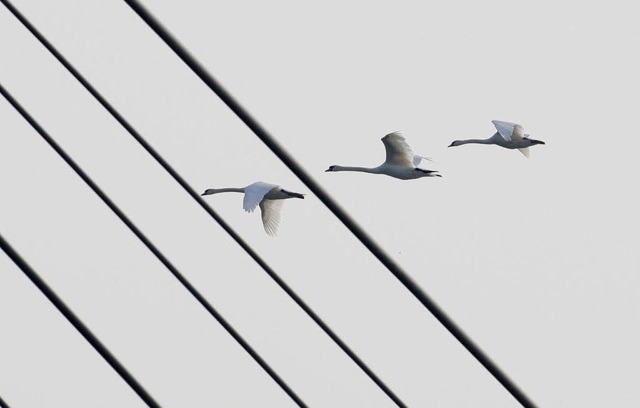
508	135
268	196
400	162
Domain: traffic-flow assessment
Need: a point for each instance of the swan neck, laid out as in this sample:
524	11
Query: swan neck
225	190
355	168
477	141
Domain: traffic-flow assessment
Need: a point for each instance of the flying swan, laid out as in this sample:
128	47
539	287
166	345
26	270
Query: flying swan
268	196
509	135
400	163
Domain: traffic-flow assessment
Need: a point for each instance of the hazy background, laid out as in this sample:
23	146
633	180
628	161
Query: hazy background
536	259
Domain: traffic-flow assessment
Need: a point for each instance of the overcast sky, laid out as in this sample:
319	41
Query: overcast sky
537	260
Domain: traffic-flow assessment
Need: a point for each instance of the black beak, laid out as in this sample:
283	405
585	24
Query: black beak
292	194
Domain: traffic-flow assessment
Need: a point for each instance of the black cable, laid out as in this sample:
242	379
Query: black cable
372	375
153	248
3	404
329	202
76	322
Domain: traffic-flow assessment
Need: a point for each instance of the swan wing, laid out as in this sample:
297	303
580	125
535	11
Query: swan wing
525	151
509	131
270	211
399	153
518	132
254	193
418	159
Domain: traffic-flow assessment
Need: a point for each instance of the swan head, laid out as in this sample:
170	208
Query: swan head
208	191
455	143
332	168
428	173
291	194
533	141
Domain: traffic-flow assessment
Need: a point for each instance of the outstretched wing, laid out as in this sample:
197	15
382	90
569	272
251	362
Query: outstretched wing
271	210
399	153
509	131
525	151
418	159
254	193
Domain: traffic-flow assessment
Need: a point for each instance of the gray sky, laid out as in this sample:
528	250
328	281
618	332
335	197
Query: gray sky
536	259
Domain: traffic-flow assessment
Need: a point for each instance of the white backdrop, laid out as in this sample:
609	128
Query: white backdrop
536	259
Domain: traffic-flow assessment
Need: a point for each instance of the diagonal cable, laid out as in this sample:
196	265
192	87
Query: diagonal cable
77	323
330	203
180	180
3	404
213	312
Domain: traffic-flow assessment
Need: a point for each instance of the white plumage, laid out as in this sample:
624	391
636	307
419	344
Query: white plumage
400	161
509	135
268	196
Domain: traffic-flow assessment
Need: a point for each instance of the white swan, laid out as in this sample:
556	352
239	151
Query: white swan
400	163
509	135
268	196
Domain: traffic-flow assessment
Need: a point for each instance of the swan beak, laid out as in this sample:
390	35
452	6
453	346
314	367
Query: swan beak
451	145
205	193
291	194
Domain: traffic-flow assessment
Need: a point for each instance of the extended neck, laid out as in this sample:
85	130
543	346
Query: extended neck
374	170
223	190
477	141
